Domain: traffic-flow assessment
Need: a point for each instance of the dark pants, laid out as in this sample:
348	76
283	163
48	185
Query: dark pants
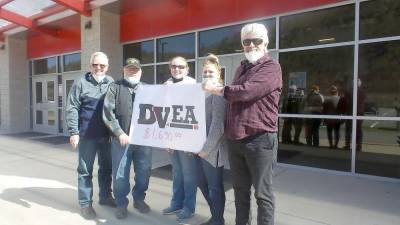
211	185
312	131
252	160
287	130
359	134
333	129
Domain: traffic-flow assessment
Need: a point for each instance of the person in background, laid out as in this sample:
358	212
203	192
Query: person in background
330	107
313	104
89	134
252	125
184	164
214	154
117	114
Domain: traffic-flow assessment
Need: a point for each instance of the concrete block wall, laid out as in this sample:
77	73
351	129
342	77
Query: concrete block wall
4	90
103	36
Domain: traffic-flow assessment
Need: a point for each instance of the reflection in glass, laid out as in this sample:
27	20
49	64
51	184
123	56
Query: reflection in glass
182	45
39	117
324	26
304	71
144	51
50	91
379	153
226	40
379	18
164	73
147	74
294	149
72	62
45	66
379	70
51	118
38	92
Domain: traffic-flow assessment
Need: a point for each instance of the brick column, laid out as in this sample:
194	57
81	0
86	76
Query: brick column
102	36
14	85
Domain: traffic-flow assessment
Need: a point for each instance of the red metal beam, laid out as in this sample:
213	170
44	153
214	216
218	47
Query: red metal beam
8	27
48	12
15	18
80	6
5	2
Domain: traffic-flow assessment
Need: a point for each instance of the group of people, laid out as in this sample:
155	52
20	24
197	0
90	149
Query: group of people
241	127
315	103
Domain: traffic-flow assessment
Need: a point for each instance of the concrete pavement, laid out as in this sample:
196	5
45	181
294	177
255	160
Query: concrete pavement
38	186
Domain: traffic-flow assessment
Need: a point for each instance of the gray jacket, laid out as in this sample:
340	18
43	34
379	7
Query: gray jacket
216	145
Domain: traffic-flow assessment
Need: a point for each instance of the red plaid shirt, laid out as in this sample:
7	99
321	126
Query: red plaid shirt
253	99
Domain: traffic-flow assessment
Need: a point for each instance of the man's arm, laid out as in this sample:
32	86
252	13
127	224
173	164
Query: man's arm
72	113
265	81
109	118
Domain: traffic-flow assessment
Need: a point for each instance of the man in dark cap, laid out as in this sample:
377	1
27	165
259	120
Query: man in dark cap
117	113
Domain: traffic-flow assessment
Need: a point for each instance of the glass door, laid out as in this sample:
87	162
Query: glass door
45	113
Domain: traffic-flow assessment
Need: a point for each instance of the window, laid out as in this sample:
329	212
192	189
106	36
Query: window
377	151
164	73
226	40
147	74
182	45
378	70
317	27
379	19
72	62
301	70
144	51
45	66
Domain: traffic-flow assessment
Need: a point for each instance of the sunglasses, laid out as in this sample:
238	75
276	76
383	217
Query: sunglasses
178	66
101	65
256	41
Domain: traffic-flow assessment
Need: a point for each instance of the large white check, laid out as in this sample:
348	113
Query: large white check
169	116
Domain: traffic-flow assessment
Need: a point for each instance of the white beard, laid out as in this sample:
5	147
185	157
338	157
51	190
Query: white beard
133	80
253	56
99	78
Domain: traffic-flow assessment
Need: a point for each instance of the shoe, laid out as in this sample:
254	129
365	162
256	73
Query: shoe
170	210
110	201
88	213
141	206
184	214
121	213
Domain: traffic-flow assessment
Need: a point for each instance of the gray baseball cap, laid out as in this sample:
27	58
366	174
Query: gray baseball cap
132	62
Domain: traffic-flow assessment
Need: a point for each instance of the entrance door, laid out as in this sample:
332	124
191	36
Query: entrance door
68	80
45	112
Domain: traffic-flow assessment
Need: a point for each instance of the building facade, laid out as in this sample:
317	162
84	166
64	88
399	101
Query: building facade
352	47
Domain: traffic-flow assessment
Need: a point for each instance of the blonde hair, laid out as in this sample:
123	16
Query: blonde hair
212	59
181	58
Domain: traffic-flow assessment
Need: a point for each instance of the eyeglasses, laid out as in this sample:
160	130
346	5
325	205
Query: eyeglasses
101	65
256	41
178	66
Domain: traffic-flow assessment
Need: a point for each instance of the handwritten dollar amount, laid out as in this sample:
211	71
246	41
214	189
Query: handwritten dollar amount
155	134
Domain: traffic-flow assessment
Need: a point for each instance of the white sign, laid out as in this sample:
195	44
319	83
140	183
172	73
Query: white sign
169	116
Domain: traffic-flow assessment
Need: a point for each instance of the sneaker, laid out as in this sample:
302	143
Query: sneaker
141	206
110	201
170	210
88	213
121	213
184	214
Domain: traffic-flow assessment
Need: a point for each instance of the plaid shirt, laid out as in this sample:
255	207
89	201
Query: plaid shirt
253	99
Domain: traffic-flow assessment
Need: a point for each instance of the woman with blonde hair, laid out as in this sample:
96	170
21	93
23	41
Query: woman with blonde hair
184	164
214	155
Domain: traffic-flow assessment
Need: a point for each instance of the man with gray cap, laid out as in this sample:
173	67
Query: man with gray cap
252	125
117	113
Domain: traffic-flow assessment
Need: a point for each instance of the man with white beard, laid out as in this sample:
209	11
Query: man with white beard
88	133
252	125
117	114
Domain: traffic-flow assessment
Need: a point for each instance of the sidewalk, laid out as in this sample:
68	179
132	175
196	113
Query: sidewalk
38	187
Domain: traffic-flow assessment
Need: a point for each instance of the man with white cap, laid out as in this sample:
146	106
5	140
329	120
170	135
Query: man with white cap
252	125
117	113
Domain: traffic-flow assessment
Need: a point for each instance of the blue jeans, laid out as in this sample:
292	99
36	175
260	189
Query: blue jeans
87	149
211	185
121	161
184	180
